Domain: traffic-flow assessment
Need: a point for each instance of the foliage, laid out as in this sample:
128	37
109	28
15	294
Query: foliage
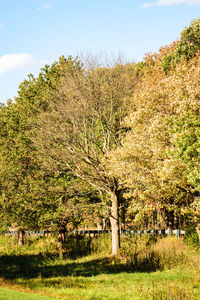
159	157
86	123
192	238
122	142
101	244
187	47
137	252
33	195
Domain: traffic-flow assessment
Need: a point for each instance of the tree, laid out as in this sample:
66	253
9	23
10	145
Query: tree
84	123
159	158
29	197
69	201
187	47
17	170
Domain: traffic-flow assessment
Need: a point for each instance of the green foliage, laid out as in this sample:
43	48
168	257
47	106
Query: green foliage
78	144
77	246
32	195
101	244
132	133
187	47
192	238
137	252
186	131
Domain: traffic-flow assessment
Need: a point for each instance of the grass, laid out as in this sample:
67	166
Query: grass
6	294
144	269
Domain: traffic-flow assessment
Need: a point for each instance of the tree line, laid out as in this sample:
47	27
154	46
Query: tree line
82	143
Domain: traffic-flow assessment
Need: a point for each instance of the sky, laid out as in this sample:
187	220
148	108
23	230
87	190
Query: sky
37	32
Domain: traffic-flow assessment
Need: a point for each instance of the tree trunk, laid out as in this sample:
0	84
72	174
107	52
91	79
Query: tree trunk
198	230
21	235
114	220
61	237
104	224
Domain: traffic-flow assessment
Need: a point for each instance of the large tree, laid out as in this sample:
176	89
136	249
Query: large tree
18	169
84	124
159	159
32	195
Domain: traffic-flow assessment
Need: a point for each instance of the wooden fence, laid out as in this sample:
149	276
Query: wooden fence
93	233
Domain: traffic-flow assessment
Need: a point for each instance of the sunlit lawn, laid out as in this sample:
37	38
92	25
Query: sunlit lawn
6	294
98	276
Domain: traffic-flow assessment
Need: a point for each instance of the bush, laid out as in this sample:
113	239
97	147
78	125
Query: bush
191	238
137	252
101	244
76	246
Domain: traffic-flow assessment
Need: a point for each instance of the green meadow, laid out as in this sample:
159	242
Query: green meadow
146	268
6	294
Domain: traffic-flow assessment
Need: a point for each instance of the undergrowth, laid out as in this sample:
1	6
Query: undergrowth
192	238
146	268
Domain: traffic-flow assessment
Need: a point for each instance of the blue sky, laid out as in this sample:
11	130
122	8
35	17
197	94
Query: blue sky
36	32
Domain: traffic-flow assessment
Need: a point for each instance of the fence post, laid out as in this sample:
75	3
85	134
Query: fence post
177	234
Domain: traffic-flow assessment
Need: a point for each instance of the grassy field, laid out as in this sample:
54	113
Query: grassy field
144	269
6	294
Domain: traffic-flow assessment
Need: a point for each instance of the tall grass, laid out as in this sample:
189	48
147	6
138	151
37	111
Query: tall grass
146	268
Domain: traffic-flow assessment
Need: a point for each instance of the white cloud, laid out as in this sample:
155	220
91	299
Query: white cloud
10	62
170	2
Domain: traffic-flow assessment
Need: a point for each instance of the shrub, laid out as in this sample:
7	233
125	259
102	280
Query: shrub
101	244
192	238
137	252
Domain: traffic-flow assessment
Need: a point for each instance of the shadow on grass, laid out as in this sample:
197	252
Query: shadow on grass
32	266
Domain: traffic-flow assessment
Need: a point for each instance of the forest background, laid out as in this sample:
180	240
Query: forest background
85	141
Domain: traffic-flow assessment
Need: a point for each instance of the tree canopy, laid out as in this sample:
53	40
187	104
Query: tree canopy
122	142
